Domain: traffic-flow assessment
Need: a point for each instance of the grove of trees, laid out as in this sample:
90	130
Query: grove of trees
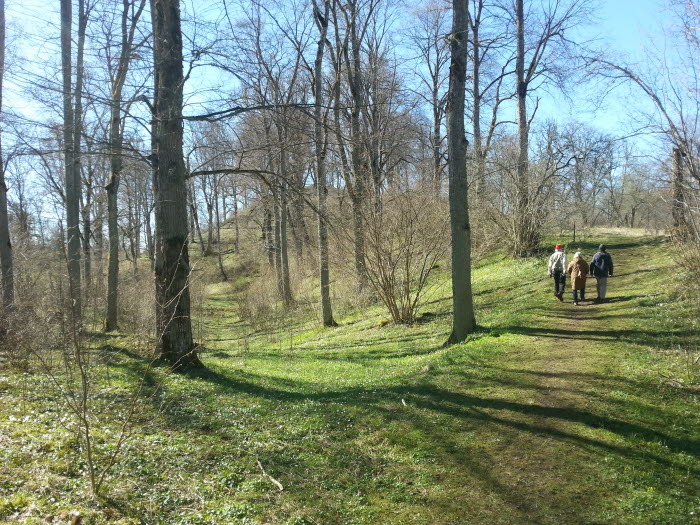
349	143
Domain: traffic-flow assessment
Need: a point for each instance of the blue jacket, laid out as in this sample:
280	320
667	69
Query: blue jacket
601	265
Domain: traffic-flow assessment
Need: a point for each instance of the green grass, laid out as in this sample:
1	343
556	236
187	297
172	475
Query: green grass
550	414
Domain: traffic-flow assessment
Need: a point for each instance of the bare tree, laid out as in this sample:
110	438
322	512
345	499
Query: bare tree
72	132
320	147
8	289
172	267
535	61
131	12
464	320
433	53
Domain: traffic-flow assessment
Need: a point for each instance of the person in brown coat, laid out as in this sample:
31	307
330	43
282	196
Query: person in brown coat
578	269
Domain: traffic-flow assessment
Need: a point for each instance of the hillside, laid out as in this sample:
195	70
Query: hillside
550	414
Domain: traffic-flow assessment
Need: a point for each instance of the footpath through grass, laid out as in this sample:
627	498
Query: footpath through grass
553	414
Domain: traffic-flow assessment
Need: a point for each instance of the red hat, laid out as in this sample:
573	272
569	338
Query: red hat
558	247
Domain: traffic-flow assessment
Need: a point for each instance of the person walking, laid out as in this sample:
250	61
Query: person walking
557	269
578	269
602	268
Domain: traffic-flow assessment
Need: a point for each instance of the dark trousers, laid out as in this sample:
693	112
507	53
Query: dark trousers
559	281
583	293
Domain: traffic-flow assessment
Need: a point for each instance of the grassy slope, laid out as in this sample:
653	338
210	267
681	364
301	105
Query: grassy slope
555	414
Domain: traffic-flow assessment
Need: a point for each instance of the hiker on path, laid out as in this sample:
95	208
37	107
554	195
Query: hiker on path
557	269
578	269
601	268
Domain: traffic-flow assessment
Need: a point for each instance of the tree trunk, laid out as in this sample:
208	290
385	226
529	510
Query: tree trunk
479	161
359	165
150	245
86	210
356	199
174	326
523	219
237	231
209	201
436	141
218	235
111	319
8	287
321	183
463	321
277	215
194	217
268	236
679	219
284	247
71	162
78	132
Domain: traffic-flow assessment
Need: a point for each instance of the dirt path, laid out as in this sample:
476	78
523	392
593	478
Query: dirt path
564	426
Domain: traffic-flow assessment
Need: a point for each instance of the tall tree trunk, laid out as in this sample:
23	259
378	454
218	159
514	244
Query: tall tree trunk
463	321
321	183
357	201
72	171
98	227
116	164
237	231
277	215
436	141
209	201
78	133
479	164
194	217
523	218
8	286
284	246
111	318
86	210
268	237
172	267
150	245
218	234
190	196
284	223
360	169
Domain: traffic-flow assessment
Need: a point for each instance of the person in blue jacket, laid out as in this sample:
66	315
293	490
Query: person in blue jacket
601	267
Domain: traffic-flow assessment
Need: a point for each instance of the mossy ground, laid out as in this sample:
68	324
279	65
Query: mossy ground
550	414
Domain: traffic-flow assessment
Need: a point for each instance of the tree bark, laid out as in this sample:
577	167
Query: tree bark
194	217
71	163
268	236
174	326
678	210
219	253
237	231
116	164
522	214
86	211
6	265
78	135
284	246
464	320
321	182
479	161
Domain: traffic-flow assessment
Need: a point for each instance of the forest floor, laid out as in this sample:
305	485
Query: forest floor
551	414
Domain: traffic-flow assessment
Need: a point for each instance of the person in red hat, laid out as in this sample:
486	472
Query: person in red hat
557	269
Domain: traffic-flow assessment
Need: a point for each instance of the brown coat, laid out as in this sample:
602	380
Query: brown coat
578	269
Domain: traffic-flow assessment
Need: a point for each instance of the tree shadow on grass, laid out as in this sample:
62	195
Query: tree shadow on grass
442	416
448	402
640	337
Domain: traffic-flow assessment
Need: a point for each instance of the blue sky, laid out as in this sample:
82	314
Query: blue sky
625	27
625	30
